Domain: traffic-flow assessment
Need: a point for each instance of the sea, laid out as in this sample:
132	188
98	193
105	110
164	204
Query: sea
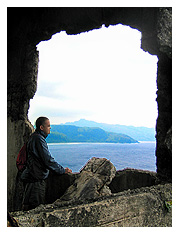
136	155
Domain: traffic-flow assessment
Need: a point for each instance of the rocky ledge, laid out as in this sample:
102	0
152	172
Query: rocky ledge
93	200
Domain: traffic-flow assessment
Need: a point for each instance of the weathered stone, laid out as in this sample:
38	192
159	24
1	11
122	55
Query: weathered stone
168	141
92	181
165	30
132	178
17	133
144	207
84	206
164	120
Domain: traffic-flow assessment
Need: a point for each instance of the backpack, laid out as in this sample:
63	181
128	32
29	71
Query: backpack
22	158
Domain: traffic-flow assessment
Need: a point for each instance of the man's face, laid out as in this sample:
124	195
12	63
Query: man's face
46	127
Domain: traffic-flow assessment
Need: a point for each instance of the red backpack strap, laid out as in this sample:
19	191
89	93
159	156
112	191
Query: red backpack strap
21	158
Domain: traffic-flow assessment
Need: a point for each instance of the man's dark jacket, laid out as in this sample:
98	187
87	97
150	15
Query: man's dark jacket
39	160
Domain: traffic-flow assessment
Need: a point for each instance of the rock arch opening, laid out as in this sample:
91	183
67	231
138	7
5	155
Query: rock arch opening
102	75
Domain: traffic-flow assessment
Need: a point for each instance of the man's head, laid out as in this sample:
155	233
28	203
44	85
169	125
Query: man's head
43	124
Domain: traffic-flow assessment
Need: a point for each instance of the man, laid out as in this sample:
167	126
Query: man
39	162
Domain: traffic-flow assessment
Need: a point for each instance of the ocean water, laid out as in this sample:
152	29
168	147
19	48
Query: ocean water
75	155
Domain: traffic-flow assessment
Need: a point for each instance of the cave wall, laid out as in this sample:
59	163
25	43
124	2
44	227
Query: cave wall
28	26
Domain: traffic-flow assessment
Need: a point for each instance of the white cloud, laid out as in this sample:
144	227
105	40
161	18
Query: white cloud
102	75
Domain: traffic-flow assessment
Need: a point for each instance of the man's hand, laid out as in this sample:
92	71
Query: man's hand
67	170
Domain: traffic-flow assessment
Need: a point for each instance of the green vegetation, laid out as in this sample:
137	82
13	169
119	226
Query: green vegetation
69	133
138	133
168	205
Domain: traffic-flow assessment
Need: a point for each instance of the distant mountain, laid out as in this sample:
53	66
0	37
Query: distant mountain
138	133
69	133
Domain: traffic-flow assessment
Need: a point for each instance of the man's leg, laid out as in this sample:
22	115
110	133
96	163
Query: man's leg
34	195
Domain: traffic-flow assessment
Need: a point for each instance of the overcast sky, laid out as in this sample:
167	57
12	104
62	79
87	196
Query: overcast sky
102	75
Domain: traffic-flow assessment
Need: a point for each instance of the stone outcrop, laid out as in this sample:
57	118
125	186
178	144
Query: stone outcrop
144	207
32	25
101	197
92	181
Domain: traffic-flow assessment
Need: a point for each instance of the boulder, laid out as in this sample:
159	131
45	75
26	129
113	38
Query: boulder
92	182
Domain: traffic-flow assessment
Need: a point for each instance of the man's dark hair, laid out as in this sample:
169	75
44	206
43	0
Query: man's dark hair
40	121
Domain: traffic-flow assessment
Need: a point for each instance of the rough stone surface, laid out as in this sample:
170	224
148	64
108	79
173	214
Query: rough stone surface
32	25
132	178
165	30
164	120
17	132
168	141
92	181
144	207
83	205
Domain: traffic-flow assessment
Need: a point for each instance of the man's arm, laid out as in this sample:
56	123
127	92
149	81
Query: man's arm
48	160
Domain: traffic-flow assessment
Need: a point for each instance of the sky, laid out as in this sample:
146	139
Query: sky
101	75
